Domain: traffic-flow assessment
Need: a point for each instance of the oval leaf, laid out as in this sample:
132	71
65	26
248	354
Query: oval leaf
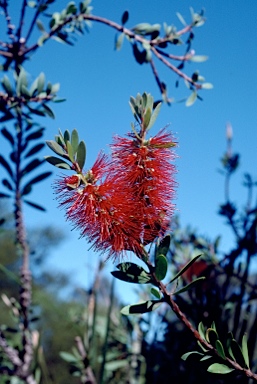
55	147
161	267
132	273
219	368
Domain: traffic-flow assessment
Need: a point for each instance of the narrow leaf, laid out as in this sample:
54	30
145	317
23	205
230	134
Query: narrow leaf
207	85
185	356
192	98
6	165
31	166
189	286
220	349
125	17
118	41
181	19
34	205
34	150
185	268
40	82
201	330
68	357
7	135
39	178
74	140
154	115
219	368
7	184
81	154
245	351
70	151
48	111
198	58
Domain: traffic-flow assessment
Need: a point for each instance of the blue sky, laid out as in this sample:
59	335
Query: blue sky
98	81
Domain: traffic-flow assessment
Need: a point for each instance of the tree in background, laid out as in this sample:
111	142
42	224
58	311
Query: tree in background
94	202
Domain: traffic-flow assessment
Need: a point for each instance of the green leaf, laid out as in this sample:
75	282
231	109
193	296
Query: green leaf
206	86
40	82
66	136
34	205
40	25
206	357
5	164
35	135
191	99
55	88
211	336
219	368
70	151
229	340
237	352
48	111
74	140
116	364
245	351
34	150
59	163
12	276
8	136
132	273
7	184
154	115
201	330
81	154
156	293
36	111
37	179
181	19
68	357
189	286
7	85
118	41
125	17
185	356
147	117
31	166
21	80
220	349
163	246
55	147
161	267
144	307
198	58
185	268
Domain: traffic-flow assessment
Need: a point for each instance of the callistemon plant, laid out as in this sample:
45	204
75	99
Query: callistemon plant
125	200
123	203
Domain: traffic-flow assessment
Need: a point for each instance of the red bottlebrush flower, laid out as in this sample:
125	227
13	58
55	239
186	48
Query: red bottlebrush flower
100	209
144	169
